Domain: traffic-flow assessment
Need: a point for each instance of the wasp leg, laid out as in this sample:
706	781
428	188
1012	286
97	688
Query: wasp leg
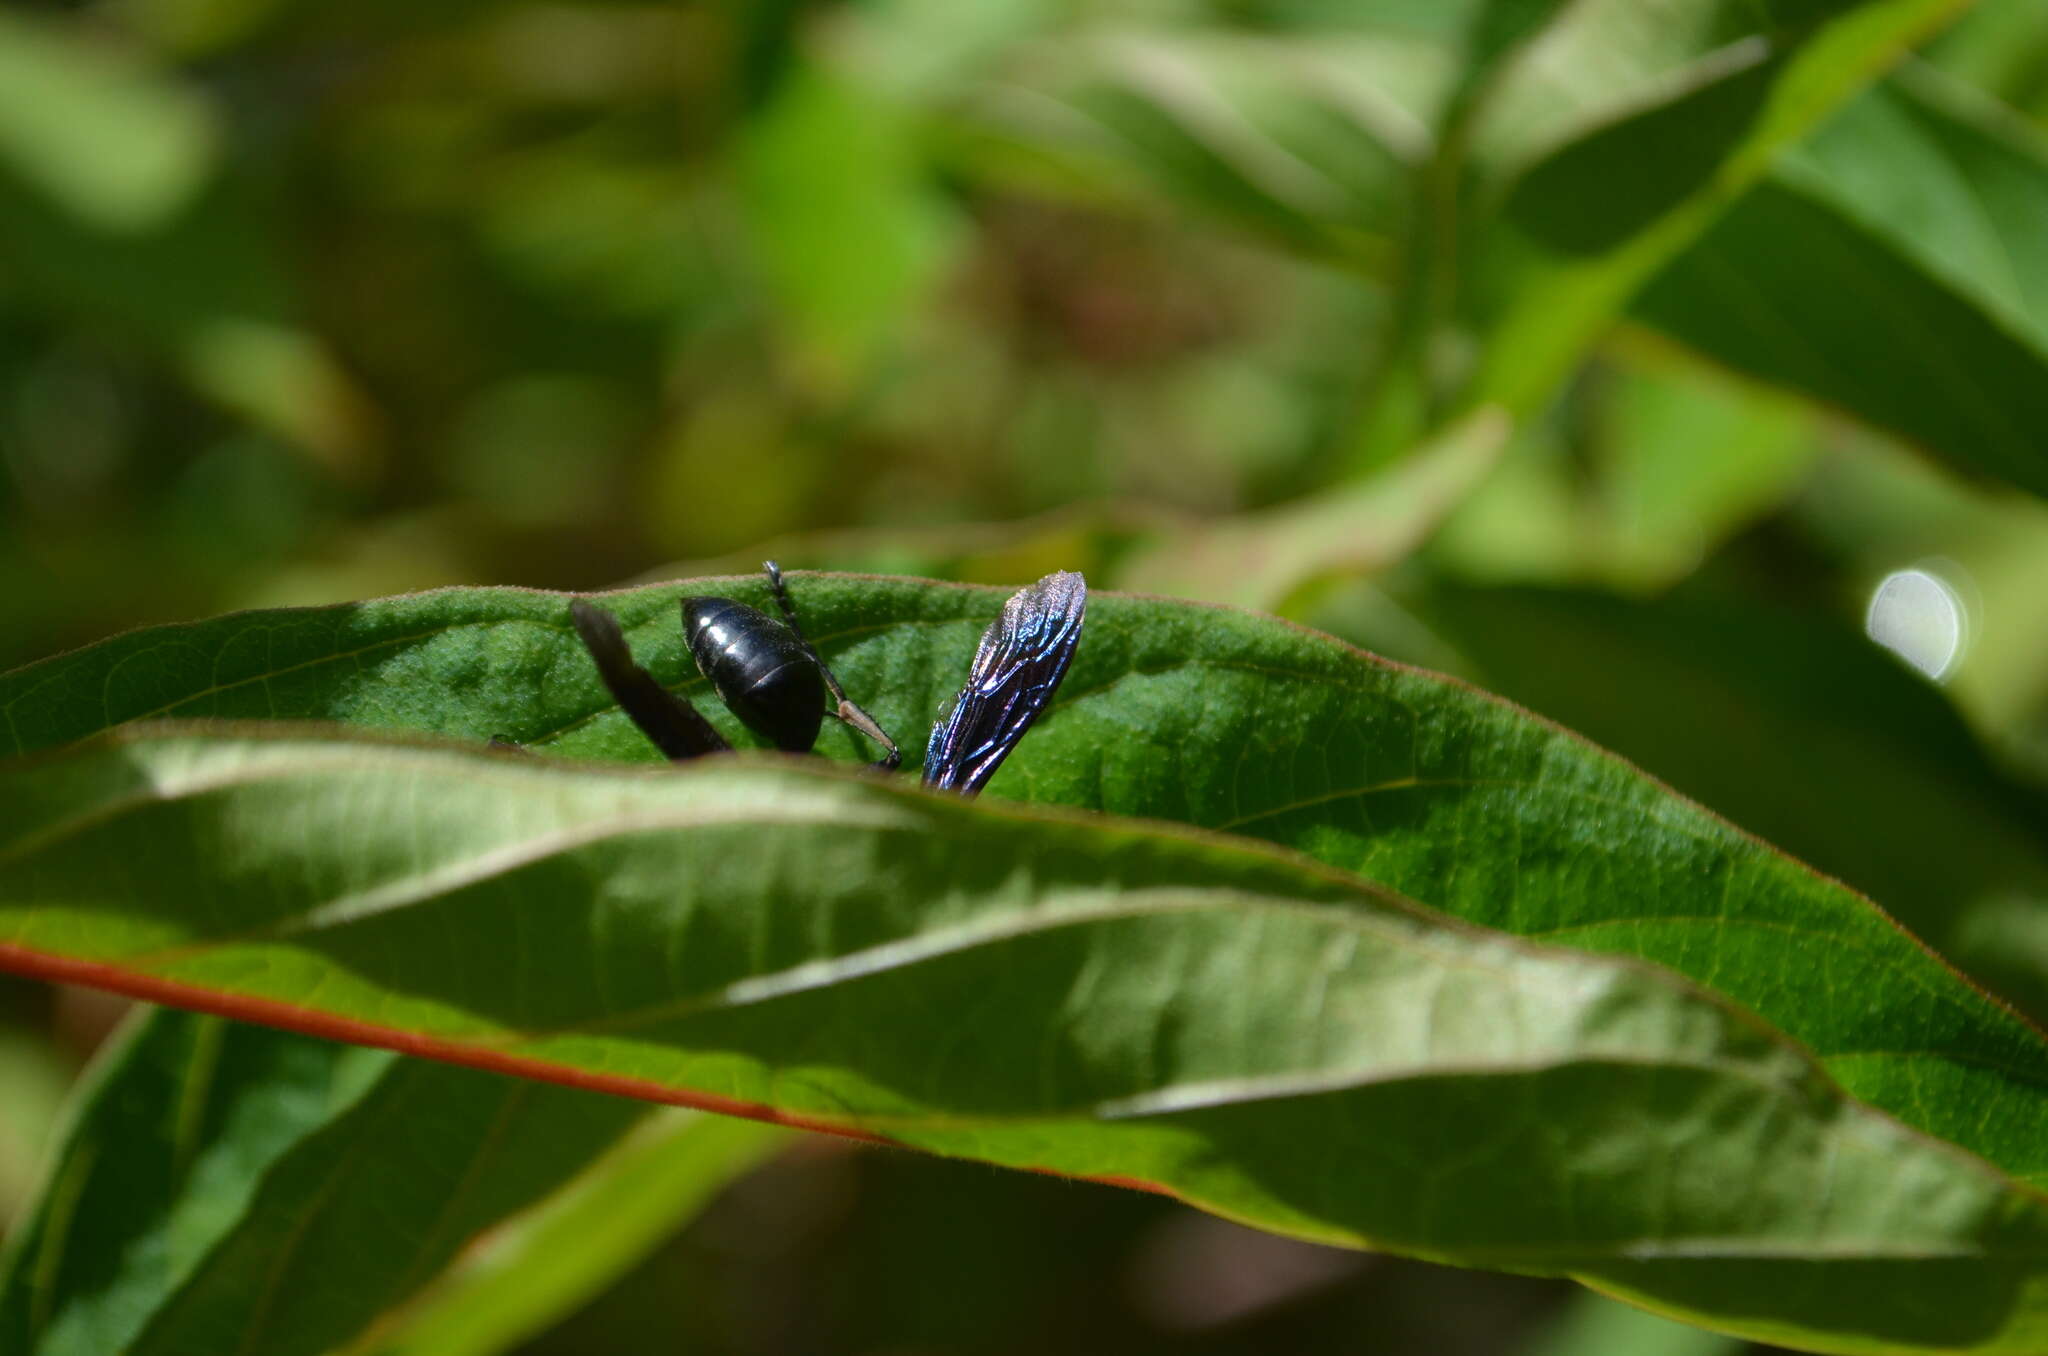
848	713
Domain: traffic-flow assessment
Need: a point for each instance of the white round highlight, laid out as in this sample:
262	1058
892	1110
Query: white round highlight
1918	616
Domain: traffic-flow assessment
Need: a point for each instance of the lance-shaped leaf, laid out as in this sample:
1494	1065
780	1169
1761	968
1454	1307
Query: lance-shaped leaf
1896	265
1788	711
1309	130
1592	222
1202	716
556	1258
1273	1040
1605	143
1259	559
1306	140
230	1188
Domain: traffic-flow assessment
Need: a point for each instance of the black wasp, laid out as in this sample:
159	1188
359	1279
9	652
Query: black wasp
777	684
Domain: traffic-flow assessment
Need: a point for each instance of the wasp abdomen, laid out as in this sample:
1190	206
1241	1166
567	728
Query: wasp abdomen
760	669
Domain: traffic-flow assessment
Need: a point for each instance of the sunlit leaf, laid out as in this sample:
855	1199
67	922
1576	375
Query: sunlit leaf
1172	712
1653	465
1275	1041
2001	46
1895	266
1307	139
1257	560
1603	213
1180	713
1781	712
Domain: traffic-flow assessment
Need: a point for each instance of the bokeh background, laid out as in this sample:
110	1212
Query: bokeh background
306	302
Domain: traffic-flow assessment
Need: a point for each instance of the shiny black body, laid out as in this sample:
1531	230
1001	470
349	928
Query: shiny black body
775	682
760	668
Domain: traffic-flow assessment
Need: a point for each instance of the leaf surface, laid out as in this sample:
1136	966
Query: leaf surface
1595	219
1784	711
1278	1042
1184	713
551	1262
219	1182
1726	172
1894	265
1172	711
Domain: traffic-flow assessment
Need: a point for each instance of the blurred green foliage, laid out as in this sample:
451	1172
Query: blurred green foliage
302	303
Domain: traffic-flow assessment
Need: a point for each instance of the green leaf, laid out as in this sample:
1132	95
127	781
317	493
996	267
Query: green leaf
1598	65
1784	711
226	1187
1309	129
846	233
1260	559
542	1267
1275	1041
2001	46
1183	713
1171	711
1894	265
1306	139
1634	483
118	147
1591	223
1685	460
1603	144
1596	1326
33	1082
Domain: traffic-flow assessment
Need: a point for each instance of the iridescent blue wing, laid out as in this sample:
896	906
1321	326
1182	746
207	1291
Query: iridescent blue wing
677	728
1021	659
